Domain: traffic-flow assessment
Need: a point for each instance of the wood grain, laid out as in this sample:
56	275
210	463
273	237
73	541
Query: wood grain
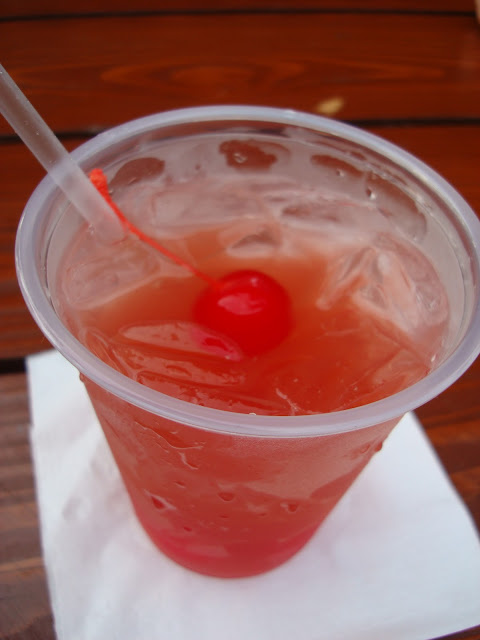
114	69
24	604
28	8
471	634
20	173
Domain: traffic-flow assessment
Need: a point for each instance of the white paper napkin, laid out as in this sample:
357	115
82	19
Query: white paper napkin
398	559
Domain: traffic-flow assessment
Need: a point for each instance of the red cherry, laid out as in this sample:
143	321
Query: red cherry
249	307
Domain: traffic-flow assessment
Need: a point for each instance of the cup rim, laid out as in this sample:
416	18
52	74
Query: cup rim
389	408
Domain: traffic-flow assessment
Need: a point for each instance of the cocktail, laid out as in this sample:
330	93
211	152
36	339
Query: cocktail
235	441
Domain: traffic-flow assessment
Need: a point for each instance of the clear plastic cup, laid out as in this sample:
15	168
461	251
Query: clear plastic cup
232	494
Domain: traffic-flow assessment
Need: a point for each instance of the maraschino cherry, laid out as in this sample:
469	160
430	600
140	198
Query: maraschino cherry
247	306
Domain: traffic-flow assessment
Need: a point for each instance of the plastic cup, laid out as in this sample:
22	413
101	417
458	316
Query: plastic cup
230	494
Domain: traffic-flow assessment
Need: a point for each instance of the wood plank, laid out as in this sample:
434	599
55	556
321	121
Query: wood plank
19	335
26	8
452	151
24	604
470	634
373	66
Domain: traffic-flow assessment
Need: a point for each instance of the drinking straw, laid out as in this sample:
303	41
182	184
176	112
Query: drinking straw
55	159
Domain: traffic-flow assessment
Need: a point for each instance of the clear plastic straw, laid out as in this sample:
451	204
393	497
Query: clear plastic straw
52	155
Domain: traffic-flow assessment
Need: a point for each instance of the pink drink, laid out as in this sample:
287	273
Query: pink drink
232	462
363	330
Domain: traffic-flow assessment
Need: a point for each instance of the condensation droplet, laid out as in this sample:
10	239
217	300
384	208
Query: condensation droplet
157	503
290	507
227	496
239	157
186	461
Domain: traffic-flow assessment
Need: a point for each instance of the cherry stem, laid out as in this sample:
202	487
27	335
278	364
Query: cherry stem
99	180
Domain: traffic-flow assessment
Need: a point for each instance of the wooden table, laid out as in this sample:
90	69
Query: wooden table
408	70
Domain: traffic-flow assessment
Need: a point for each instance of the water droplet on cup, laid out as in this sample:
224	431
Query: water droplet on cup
290	507
157	503
226	496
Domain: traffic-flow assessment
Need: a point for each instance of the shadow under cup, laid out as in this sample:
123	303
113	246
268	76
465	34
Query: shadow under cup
230	494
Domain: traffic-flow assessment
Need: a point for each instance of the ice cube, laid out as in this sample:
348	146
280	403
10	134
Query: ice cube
344	274
183	337
154	366
252	154
93	280
397	205
137	170
391	280
317	211
401	286
199	203
251	238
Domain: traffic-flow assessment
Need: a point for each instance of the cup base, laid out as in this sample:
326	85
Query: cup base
235	560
